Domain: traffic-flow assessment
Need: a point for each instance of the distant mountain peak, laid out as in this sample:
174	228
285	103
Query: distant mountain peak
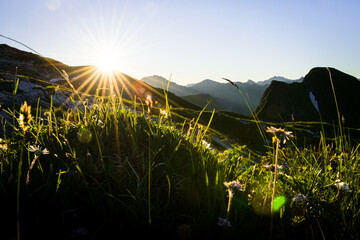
250	82
208	81
161	82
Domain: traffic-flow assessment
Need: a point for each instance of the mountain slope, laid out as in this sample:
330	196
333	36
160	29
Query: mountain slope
202	99
36	73
30	64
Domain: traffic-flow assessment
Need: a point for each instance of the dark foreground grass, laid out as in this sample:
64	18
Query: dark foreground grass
105	171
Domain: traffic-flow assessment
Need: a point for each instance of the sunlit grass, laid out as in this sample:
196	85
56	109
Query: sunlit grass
102	154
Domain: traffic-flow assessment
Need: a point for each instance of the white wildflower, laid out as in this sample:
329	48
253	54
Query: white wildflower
272	167
342	186
3	147
163	113
234	185
38	150
205	144
280	133
100	123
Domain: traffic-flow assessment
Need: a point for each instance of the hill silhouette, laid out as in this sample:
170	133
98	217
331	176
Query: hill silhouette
313	99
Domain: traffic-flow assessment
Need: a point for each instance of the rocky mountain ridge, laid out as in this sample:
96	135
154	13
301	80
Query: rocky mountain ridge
323	93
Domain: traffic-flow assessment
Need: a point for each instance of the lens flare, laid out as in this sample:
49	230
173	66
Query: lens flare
278	202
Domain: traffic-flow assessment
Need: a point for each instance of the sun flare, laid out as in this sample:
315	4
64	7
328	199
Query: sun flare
107	61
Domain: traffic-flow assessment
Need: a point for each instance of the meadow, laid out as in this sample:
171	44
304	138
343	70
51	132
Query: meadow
110	167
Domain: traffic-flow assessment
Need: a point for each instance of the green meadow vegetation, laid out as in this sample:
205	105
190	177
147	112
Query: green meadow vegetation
112	167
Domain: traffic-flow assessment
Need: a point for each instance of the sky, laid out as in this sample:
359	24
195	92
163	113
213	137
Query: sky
191	40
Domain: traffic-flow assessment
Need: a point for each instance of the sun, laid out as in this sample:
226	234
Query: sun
107	61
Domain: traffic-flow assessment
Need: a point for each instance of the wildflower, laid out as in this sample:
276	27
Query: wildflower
300	198
223	222
100	123
38	150
25	117
234	185
3	146
231	186
342	186
163	113
205	144
280	133
272	167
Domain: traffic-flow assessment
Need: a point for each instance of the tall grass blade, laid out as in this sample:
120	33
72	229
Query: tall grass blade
337	111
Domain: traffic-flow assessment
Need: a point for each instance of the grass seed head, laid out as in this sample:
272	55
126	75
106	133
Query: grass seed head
149	103
25	116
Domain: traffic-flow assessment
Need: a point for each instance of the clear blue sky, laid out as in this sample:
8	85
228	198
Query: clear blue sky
192	40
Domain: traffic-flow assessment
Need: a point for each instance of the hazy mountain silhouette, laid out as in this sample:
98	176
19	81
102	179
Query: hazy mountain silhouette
231	98
223	95
161	82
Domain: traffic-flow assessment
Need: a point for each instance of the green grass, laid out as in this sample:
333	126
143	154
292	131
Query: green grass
95	180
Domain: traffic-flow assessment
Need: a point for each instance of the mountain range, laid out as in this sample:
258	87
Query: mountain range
223	96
